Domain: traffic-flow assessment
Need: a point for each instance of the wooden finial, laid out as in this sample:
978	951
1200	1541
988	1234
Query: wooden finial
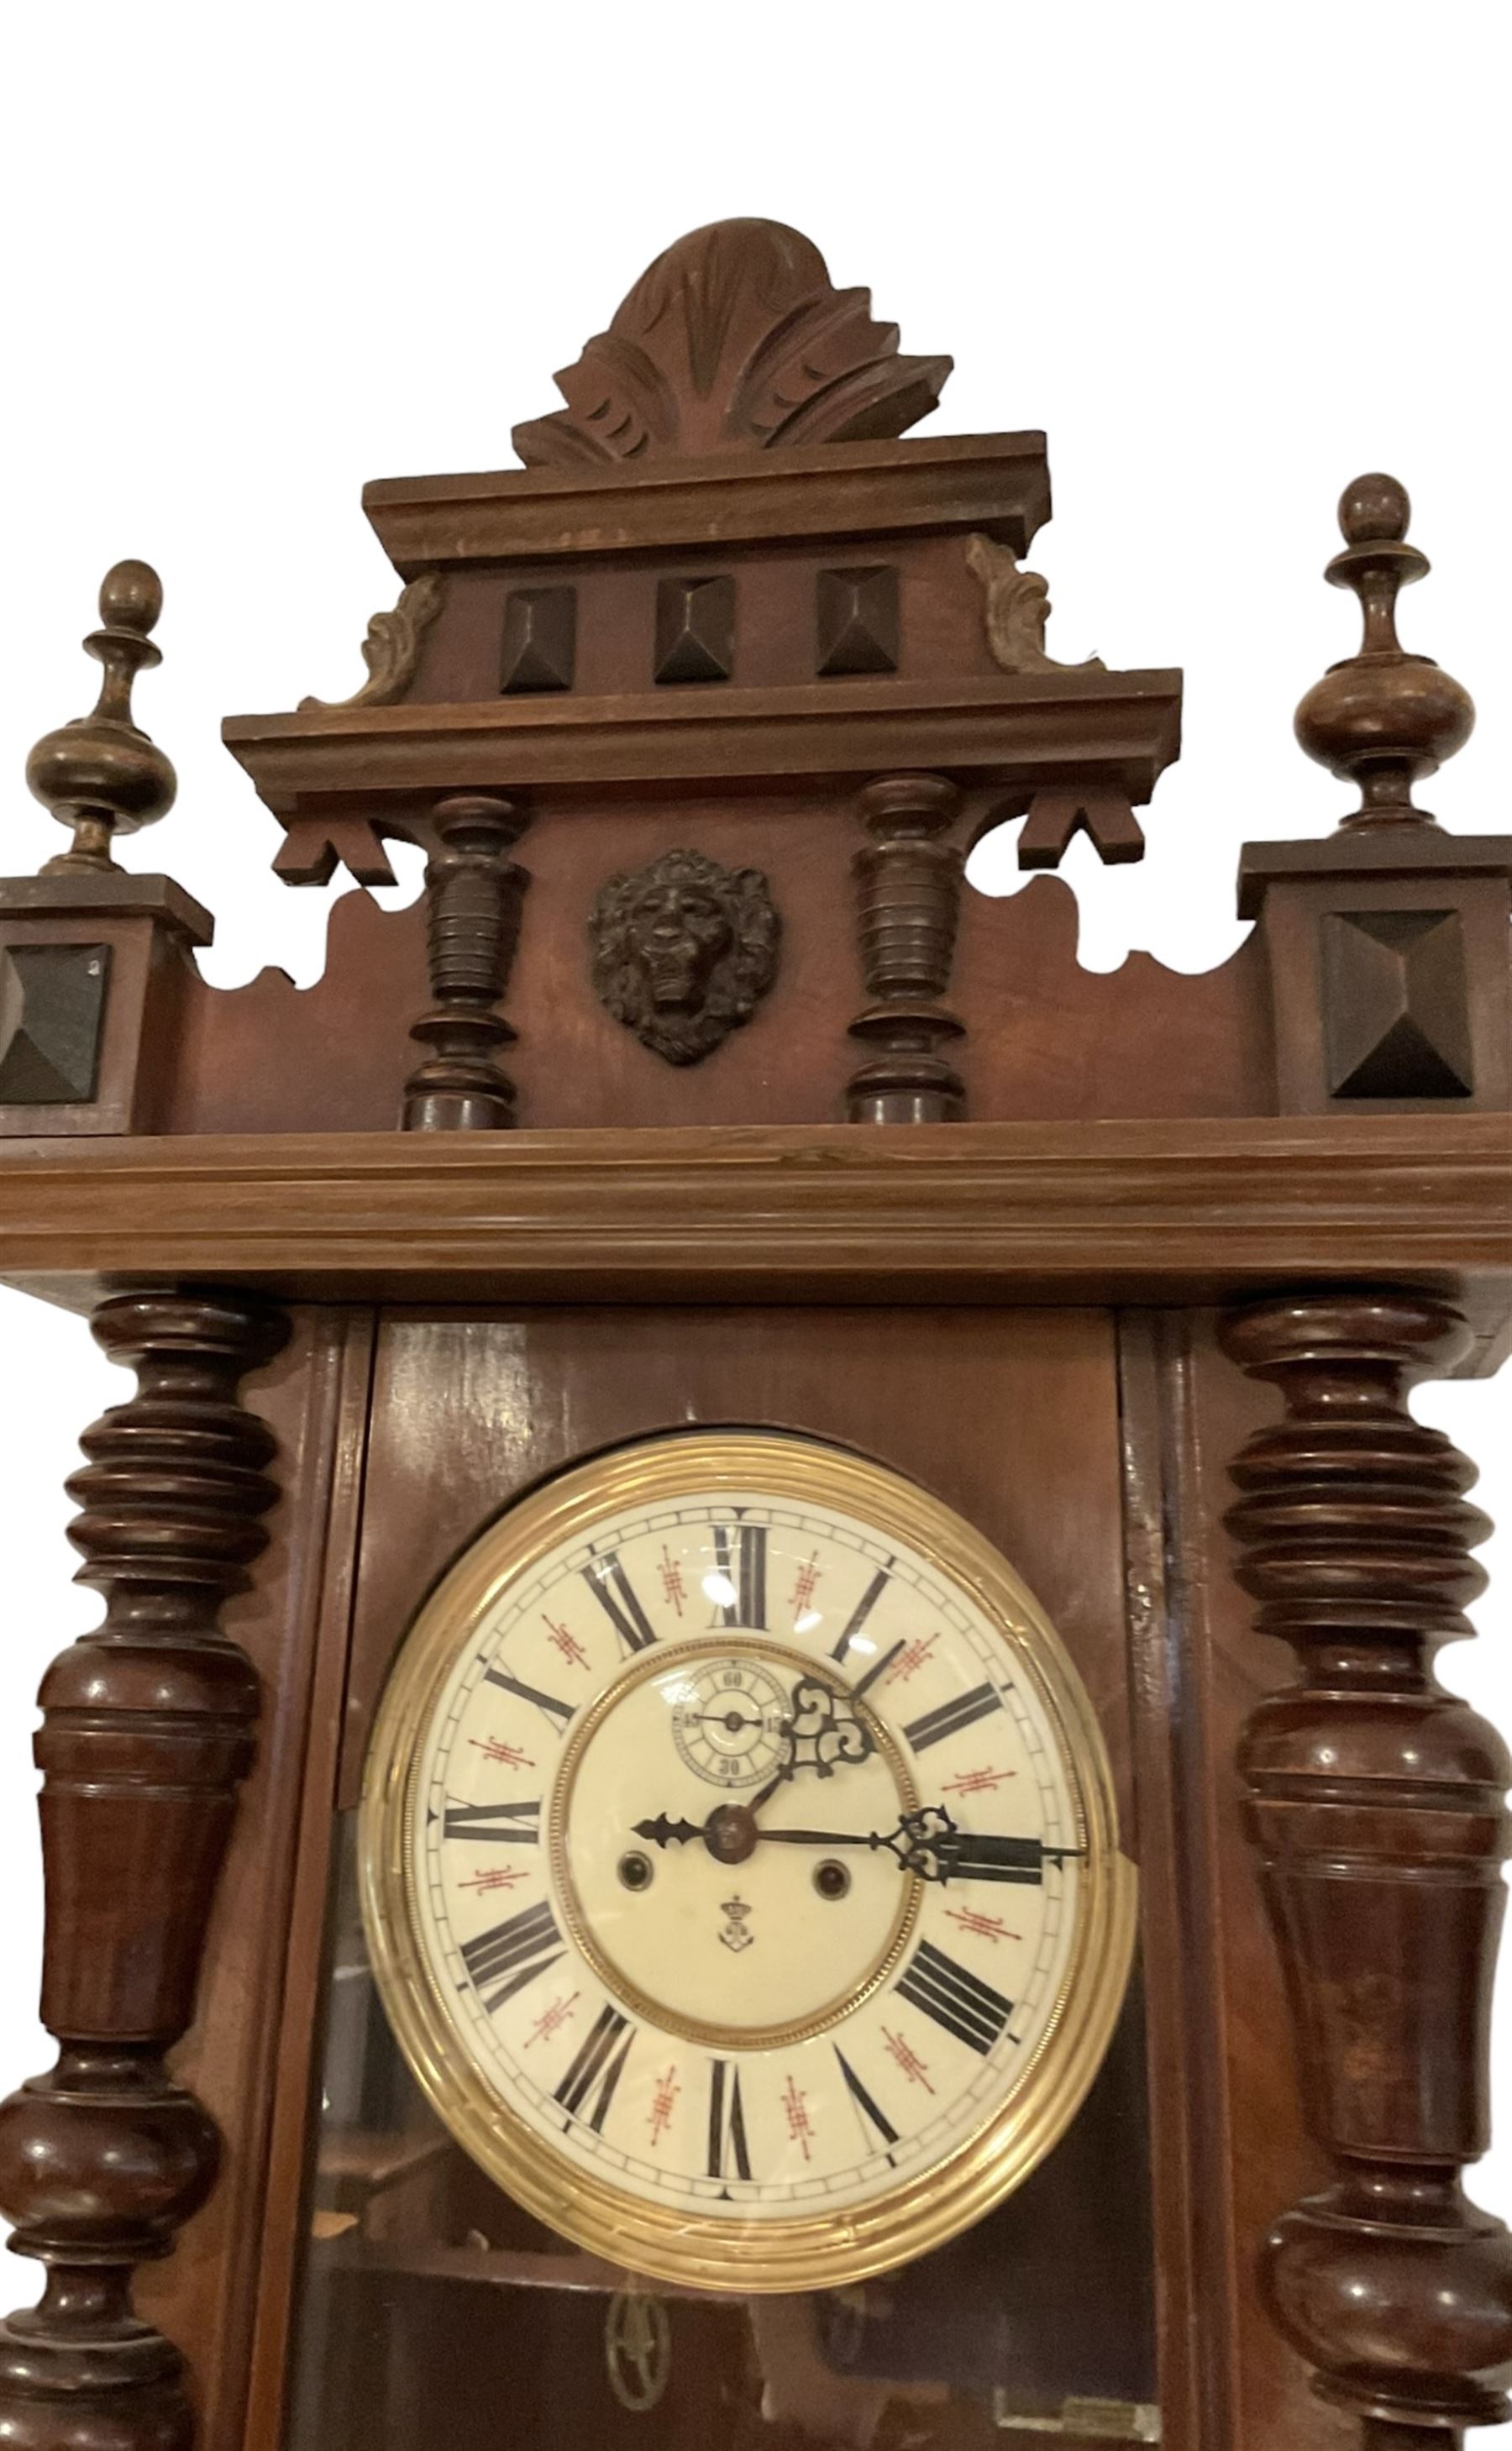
1382	718
102	773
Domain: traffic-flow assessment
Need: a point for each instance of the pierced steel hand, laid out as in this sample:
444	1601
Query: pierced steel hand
926	1842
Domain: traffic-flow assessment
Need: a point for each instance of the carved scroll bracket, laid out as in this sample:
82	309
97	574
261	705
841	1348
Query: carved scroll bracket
473	893
147	1730
391	649
1017	610
1376	1803
909	899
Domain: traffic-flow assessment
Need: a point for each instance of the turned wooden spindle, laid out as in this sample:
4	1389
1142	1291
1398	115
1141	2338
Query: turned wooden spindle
473	892
1382	718
1376	1802
147	1730
100	775
908	898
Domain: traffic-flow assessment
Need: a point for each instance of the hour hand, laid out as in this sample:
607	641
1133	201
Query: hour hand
820	1731
666	1833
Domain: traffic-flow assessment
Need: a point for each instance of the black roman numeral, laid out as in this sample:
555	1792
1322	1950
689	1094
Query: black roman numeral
495	1824
513	1954
740	1553
864	2102
498	1824
610	1585
600	2058
956	1998
547	1702
950	1718
861	1613
726	2123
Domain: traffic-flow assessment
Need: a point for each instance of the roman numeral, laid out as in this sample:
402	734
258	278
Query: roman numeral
950	1718
956	1998
547	1702
745	1571
600	2058
610	1585
861	1613
726	2123
513	1954
864	2102
498	1824
878	1668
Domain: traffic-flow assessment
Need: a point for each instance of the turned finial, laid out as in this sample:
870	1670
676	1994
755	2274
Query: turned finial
101	773
1382	718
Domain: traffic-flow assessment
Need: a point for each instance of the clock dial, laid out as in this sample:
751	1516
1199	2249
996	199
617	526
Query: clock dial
740	1862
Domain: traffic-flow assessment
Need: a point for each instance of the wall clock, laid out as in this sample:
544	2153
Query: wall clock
695	1802
762	1770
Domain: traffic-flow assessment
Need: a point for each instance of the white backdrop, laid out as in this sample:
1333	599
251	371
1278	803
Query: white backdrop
1227	257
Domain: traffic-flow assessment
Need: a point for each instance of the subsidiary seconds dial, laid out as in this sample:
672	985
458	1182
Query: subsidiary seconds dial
739	1863
728	1726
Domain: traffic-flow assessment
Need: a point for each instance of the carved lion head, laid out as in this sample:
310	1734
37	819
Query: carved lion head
682	950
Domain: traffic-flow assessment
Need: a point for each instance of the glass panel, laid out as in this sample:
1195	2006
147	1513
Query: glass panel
434	2315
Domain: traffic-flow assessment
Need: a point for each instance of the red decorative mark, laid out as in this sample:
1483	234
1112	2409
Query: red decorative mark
661	2101
568	1644
985	1926
915	2070
552	2020
800	2126
807	1583
500	1752
976	1782
496	1876
909	1659
674	1590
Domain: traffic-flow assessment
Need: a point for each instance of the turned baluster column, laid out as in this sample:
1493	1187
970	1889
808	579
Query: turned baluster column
1375	1801
473	893
147	1730
909	899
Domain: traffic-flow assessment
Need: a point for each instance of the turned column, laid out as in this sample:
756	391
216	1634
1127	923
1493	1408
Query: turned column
473	893
908	904
147	1730
1375	1801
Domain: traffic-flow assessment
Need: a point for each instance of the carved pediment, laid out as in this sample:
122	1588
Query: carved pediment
734	337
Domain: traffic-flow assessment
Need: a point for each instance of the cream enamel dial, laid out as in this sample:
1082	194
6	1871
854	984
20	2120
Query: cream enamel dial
739	1863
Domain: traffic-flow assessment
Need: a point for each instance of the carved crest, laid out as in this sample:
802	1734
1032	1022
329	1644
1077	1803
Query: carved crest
736	336
683	950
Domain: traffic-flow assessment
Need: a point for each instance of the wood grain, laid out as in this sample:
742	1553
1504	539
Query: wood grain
979	1213
997	481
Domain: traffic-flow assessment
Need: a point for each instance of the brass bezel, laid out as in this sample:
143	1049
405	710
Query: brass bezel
669	2243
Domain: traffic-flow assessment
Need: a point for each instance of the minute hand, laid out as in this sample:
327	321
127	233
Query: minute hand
927	1842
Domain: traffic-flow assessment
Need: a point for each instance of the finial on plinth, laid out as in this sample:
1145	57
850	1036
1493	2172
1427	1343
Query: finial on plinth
101	773
1382	718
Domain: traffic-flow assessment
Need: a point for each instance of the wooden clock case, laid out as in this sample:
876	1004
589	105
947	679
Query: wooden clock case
1136	1272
